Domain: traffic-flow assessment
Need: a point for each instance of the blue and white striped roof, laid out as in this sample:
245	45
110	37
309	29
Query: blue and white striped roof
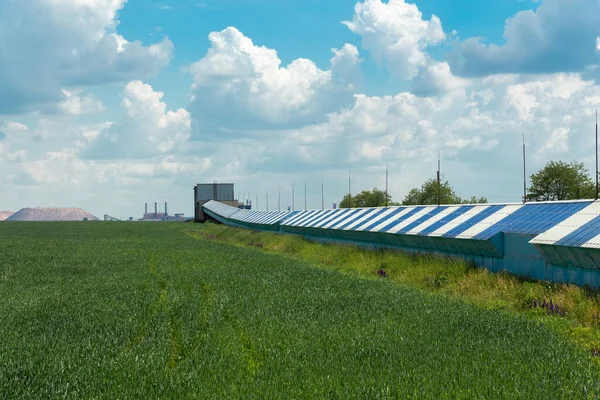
567	223
479	222
247	216
581	229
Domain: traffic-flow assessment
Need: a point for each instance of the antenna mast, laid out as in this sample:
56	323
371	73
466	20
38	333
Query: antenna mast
439	194
322	196
524	173
387	167
349	191
596	154
304	195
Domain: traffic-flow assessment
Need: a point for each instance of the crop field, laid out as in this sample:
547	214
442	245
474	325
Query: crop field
156	310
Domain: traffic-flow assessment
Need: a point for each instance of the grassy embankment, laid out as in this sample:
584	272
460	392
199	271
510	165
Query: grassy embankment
569	309
121	310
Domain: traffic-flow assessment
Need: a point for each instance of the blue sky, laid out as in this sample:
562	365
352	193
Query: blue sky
108	104
282	25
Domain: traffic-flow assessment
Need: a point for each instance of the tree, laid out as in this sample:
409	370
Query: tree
559	180
428	195
474	200
366	198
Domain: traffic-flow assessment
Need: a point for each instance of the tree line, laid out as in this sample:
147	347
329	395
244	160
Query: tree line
558	180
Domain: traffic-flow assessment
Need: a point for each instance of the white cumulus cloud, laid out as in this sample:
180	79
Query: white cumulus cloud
396	34
240	85
48	46
560	36
147	130
436	78
75	104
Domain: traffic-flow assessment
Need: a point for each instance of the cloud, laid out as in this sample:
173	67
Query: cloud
560	36
435	78
557	144
396	34
264	125
527	97
242	86
147	130
74	104
476	129
64	167
50	46
11	128
14	127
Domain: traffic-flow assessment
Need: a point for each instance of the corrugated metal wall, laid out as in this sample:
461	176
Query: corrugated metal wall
214	191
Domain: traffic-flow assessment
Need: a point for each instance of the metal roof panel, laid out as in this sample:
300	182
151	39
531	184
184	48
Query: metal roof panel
483	214
568	225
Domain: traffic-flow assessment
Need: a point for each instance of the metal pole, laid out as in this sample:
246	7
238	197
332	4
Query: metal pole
279	199
304	195
524	173
293	206
596	154
256	205
439	196
387	166
349	190
267	200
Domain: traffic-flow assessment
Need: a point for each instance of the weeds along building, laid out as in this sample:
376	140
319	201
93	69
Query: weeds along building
554	241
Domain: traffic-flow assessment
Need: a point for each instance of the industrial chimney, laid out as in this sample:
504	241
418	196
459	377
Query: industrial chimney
166	209
145	208
155	209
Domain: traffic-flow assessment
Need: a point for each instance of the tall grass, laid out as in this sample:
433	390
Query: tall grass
575	310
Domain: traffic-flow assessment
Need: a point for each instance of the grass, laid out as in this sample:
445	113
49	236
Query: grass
133	310
575	311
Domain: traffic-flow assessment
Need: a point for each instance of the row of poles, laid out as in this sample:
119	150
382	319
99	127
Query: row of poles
349	192
293	198
323	193
439	175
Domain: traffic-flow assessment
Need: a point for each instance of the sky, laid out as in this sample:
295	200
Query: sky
108	104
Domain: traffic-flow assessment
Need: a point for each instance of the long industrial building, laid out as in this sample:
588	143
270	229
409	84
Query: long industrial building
553	241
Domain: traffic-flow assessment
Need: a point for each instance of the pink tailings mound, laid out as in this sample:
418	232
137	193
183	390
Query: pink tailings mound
51	214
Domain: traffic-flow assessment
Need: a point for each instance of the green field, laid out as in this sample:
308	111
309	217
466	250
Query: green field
122	310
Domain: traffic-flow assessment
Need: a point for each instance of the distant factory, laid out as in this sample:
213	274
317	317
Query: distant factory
160	216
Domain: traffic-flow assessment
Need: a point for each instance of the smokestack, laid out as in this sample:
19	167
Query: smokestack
155	208
165	208
145	208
